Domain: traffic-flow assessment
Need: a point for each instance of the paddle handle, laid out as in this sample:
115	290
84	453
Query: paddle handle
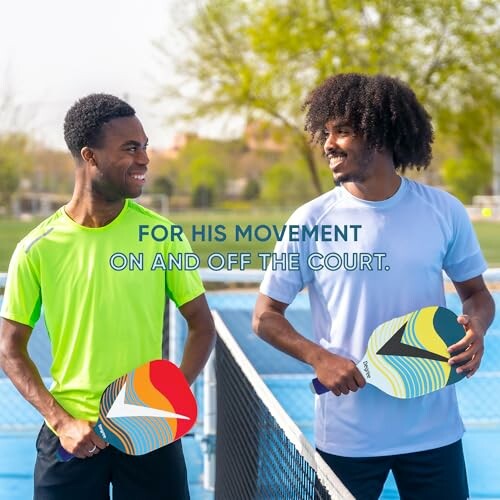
62	455
65	456
317	387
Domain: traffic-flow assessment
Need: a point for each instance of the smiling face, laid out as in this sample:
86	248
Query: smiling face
350	159
118	165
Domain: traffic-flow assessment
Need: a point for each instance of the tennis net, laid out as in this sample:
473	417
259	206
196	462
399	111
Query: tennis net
260	452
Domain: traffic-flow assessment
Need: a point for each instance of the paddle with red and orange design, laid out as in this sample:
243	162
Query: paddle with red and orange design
149	407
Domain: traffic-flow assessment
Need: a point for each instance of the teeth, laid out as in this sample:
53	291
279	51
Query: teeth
139	177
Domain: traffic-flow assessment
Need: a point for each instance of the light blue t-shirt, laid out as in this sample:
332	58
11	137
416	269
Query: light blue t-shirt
365	263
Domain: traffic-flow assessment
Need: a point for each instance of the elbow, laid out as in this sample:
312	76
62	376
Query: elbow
4	352
256	322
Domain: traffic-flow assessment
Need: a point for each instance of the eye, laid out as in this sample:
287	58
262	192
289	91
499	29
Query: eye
132	149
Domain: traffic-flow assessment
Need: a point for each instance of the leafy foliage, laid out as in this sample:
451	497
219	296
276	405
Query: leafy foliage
14	160
285	184
259	59
466	176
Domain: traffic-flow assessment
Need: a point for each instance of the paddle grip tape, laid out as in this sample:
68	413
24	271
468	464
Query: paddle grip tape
62	455
317	387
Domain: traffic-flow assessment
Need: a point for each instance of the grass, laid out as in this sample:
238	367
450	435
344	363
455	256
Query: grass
12	230
488	234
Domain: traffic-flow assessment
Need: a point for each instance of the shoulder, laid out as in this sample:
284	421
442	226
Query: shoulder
436	199
312	211
43	229
432	194
147	216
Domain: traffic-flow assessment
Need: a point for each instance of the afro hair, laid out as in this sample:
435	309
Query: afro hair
382	109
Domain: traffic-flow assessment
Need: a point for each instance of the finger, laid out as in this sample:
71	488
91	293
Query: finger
467	355
100	443
344	389
352	385
463	343
473	364
90	449
336	391
472	372
360	380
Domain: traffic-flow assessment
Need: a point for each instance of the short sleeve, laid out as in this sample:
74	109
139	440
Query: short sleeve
22	298
183	285
464	259
288	273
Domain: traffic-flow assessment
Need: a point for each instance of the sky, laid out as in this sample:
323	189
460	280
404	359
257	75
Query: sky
53	52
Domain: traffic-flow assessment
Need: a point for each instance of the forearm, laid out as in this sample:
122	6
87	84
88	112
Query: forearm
274	328
25	376
337	373
199	344
480	305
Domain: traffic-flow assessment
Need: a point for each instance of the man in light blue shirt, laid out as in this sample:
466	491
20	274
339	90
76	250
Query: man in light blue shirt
395	237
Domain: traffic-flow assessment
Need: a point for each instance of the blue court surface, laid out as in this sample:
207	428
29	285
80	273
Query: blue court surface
288	379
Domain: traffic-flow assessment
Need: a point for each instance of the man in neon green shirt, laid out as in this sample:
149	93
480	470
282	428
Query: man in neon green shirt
102	279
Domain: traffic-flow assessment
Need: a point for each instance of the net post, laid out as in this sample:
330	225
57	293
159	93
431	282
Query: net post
209	423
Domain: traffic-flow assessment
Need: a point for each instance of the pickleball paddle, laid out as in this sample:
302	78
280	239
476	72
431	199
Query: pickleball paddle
407	356
144	410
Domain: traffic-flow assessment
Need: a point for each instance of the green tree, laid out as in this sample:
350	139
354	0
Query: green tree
15	160
467	175
252	189
202	197
285	184
164	185
259	59
208	172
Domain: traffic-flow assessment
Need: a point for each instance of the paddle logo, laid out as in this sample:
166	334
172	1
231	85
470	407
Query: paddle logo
366	369
100	428
395	347
120	408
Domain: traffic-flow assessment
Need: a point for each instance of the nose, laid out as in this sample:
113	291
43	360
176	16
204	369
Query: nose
142	157
330	143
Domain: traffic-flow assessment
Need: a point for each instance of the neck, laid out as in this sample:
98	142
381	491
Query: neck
375	188
89	211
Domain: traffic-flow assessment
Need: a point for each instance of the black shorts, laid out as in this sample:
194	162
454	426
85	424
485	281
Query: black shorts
160	474
431	475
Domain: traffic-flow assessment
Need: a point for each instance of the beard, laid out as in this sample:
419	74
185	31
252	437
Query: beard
362	167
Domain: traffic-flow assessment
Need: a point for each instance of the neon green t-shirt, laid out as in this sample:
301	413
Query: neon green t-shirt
103	292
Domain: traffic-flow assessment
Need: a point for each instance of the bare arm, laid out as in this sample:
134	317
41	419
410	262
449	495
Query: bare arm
76	436
201	337
337	373
478	312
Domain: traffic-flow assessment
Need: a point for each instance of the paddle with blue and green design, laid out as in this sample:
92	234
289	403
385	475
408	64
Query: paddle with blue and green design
408	356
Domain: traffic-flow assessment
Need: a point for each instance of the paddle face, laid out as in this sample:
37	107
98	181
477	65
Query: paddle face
407	356
146	409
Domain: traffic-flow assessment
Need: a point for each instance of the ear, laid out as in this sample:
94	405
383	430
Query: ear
87	155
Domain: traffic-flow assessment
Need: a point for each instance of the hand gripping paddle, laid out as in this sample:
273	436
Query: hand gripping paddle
407	356
144	410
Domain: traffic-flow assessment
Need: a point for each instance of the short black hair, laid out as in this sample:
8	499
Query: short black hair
384	110
84	120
